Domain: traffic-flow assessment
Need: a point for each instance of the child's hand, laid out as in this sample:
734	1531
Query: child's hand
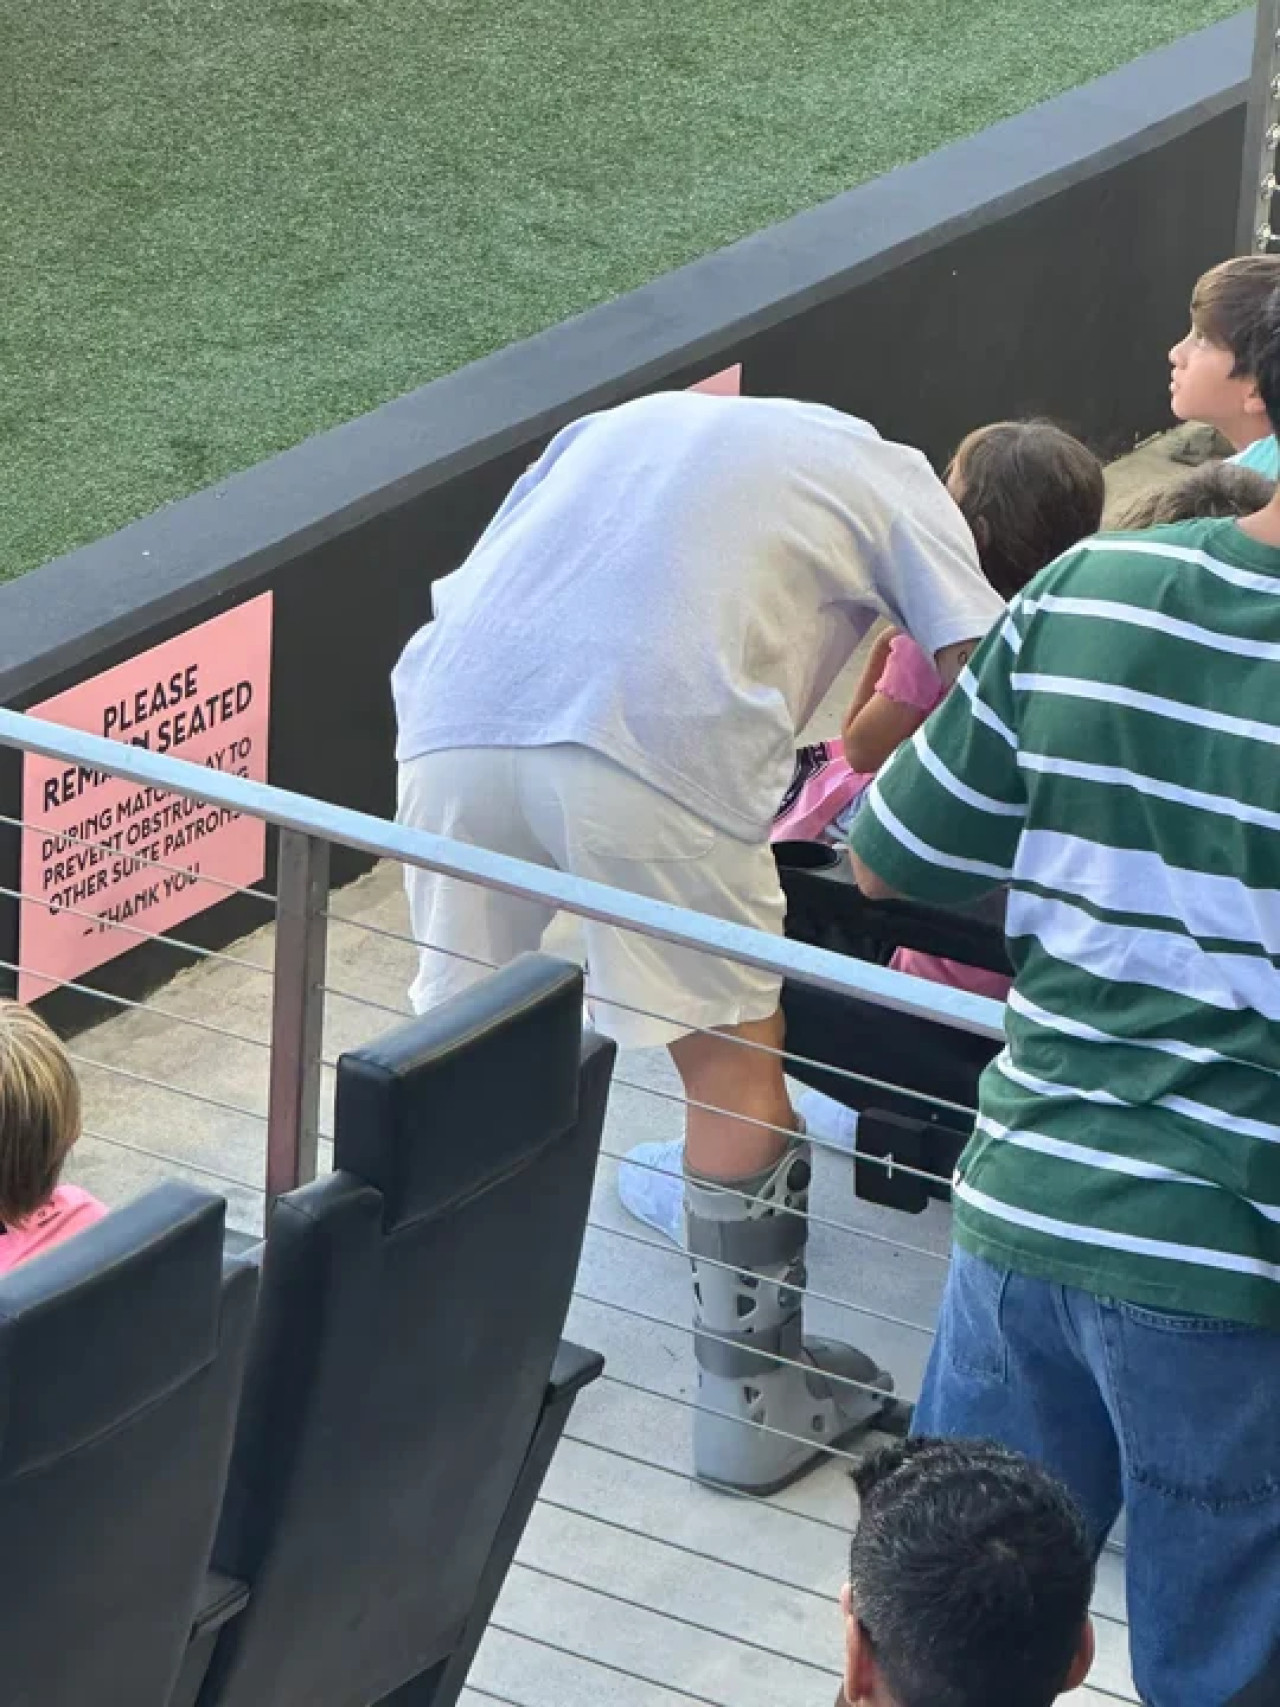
872	671
880	650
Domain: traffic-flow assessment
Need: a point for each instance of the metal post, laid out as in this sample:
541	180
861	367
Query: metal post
297	1011
1261	136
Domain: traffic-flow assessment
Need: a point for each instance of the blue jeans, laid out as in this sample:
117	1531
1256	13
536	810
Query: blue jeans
1176	1418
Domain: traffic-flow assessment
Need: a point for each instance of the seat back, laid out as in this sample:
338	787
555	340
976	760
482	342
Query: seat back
894	1054
121	1353
825	907
914	1083
411	1308
890	1055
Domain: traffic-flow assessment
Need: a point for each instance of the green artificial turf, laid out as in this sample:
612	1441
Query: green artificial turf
227	224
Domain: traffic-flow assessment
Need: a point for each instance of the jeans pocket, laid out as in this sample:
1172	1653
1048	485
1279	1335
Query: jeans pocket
971	1327
1195	1399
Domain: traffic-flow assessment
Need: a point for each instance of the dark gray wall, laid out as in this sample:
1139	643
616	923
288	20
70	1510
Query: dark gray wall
1043	265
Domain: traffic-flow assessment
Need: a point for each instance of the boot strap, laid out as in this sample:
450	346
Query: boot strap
771	1241
739	1357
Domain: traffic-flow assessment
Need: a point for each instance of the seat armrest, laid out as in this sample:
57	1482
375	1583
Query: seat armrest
574	1368
221	1599
245	1247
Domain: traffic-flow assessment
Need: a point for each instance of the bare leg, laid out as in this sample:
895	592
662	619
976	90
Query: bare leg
745	1083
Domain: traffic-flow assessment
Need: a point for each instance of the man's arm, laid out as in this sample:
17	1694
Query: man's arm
952	659
928	574
873	887
943	819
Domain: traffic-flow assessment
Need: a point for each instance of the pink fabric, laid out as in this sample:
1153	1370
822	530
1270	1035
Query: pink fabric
820	790
68	1212
824	784
976	979
909	676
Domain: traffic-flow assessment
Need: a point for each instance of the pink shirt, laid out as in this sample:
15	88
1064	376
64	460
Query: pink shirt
960	977
909	676
823	784
68	1212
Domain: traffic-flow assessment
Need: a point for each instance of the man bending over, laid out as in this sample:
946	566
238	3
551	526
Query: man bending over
612	686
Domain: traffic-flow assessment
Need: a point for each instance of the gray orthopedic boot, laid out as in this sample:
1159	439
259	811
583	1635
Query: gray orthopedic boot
763	1423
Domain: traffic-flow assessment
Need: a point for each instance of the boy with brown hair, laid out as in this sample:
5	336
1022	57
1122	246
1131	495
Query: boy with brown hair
1214	376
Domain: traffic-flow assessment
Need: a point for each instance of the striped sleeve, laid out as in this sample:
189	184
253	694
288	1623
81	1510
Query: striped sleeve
943	818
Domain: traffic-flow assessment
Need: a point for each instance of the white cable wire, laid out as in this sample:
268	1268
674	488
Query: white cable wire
786	1055
770	1504
786	1132
809	1215
137	859
172	1161
689	1329
147	1007
817	1446
715	1558
683	1547
679	1618
668	1249
605	1665
164	1085
162	937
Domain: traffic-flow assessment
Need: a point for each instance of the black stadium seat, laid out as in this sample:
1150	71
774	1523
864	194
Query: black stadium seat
892	1054
407	1383
121	1354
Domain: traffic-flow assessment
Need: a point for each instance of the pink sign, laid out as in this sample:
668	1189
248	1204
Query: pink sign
99	853
726	383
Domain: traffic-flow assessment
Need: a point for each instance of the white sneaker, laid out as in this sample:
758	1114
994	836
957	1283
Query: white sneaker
651	1177
651	1187
827	1121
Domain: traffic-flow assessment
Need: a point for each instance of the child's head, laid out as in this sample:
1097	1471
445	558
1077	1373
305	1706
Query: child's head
1216	489
1029	492
1214	376
39	1112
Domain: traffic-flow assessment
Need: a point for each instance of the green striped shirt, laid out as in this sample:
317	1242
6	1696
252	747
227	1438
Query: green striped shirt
1113	754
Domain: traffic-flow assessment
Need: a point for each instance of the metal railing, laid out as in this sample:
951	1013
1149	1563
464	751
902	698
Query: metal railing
1255	233
308	827
602	1582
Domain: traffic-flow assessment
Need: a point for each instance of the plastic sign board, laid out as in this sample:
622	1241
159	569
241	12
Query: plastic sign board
726	383
104	858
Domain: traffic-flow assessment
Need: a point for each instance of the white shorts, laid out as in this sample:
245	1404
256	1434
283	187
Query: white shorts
572	809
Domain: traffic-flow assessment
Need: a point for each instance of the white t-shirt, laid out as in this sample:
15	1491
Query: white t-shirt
677	582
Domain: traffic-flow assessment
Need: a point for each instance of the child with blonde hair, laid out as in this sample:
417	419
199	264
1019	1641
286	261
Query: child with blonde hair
39	1124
